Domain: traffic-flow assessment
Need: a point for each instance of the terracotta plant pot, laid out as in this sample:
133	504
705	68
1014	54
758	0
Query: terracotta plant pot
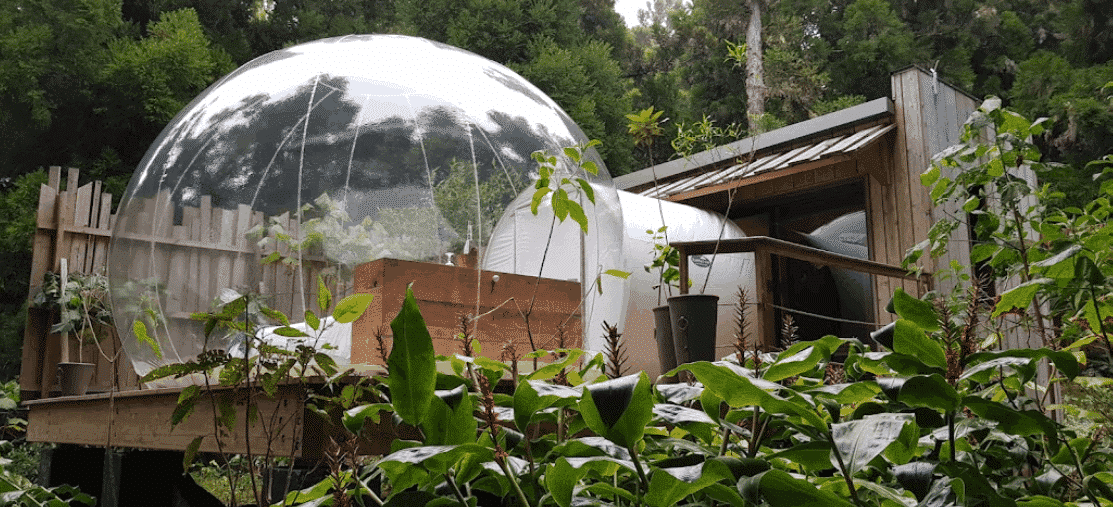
666	351
74	378
694	319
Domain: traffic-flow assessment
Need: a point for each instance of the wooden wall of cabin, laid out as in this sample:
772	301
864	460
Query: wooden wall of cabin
929	115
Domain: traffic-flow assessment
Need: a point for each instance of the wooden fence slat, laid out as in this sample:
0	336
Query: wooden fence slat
242	262
192	221
204	290
104	221
175	283
55	178
223	273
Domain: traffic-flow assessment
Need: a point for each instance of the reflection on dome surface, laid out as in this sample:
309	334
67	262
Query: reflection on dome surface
331	154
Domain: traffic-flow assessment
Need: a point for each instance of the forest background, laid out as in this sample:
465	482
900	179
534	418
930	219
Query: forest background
91	83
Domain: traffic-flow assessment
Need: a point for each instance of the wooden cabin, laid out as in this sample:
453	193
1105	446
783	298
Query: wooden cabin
780	185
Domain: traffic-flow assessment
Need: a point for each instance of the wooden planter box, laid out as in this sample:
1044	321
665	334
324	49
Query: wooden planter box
445	294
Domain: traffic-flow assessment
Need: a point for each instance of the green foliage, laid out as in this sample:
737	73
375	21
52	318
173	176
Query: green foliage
159	74
770	433
19	461
1059	255
17	223
456	192
666	261
589	84
560	178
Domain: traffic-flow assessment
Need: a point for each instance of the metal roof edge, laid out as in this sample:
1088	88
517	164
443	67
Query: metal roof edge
796	132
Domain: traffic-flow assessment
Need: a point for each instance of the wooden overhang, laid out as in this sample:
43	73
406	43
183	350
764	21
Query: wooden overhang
799	149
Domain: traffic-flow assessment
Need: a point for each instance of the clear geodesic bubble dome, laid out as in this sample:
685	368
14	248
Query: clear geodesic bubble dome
338	152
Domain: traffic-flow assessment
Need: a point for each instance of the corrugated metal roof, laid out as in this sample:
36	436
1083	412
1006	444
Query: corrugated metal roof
818	150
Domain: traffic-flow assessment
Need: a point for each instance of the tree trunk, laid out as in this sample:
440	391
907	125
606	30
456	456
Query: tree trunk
755	69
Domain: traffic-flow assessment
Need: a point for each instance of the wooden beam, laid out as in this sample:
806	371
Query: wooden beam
792	250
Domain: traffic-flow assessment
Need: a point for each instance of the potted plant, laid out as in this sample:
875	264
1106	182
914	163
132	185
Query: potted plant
81	302
666	261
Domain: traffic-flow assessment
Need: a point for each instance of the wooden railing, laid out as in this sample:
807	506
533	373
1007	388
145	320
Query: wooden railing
764	249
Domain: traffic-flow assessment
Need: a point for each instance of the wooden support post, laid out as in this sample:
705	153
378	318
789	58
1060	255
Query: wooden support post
764	282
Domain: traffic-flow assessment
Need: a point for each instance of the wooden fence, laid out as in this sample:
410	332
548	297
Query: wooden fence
198	251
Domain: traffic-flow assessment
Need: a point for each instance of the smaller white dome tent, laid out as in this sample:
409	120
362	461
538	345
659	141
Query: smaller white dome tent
685	223
519	243
847	235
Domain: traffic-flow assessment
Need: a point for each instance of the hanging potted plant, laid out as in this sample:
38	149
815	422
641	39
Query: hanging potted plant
81	303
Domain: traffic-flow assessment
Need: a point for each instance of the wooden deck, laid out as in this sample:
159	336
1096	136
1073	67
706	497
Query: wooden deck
141	419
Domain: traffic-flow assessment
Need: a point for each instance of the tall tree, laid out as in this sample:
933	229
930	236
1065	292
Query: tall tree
755	68
50	51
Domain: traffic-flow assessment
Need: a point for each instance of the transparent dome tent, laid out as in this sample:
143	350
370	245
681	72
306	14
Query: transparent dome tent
339	152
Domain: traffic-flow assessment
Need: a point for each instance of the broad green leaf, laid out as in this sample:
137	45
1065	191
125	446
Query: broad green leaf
1086	269
538	196
1039	501
916	477
676	414
931	391
577	213
1010	420
291	332
271	258
906	499
801	357
591	167
725	495
929	176
735	389
324	296
191	453
1065	255
909	339
413	370
526	404
779	489
985	371
531	397
312	321
813	456
862	440
552	369
450	420
620	409
437	459
351	308
140	331
915	310
1063	360
588	191
275	315
971	204
561	479
617	273
560	204
667	486
353	418
1020	296
847	394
